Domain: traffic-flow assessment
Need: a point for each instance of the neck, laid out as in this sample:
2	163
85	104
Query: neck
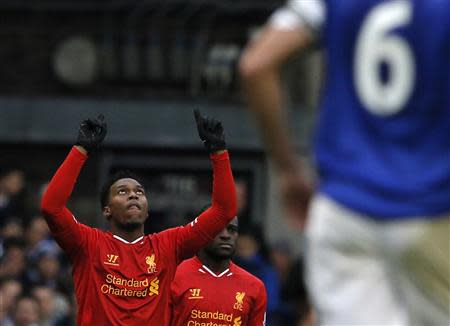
129	236
217	265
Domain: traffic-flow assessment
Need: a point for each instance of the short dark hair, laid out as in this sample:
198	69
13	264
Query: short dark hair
121	174
14	242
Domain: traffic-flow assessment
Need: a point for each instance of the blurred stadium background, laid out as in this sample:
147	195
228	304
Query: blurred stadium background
145	65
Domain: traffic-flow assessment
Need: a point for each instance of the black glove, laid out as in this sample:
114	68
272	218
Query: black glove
91	133
210	132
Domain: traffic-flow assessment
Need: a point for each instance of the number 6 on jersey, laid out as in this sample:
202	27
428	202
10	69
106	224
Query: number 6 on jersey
376	44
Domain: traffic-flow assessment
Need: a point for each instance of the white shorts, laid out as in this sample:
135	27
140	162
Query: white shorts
363	272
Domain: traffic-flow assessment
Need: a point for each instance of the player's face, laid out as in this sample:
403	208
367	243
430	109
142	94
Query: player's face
224	244
128	206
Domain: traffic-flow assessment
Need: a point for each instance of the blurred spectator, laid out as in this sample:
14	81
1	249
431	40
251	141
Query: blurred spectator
13	263
54	308
42	254
12	228
26	312
10	290
39	242
251	254
281	256
12	183
48	268
295	307
282	260
36	232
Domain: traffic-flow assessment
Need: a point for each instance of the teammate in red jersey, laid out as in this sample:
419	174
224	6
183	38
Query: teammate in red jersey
210	289
123	277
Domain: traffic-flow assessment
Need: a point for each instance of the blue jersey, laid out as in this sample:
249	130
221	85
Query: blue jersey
383	136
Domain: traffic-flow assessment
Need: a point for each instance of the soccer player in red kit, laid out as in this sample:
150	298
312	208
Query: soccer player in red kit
123	277
210	289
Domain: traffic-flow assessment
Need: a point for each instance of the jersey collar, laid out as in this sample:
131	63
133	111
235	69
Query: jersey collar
204	269
127	242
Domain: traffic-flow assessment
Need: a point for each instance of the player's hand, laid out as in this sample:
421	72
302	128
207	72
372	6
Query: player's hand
210	132
295	194
91	133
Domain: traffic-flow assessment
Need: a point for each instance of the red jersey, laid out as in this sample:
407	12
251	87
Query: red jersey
199	297
122	283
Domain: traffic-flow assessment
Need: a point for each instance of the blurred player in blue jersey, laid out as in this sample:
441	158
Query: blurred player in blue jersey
378	226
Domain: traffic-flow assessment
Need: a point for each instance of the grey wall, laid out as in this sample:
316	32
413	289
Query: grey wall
155	124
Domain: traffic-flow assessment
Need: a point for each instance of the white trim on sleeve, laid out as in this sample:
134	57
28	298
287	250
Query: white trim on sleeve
299	13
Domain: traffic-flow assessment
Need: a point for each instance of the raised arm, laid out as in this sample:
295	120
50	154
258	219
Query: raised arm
223	209
53	206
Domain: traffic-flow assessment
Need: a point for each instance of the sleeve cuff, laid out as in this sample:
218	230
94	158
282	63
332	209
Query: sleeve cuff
220	157
77	154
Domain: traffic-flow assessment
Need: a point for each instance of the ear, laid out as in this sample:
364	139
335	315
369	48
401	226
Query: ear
107	212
